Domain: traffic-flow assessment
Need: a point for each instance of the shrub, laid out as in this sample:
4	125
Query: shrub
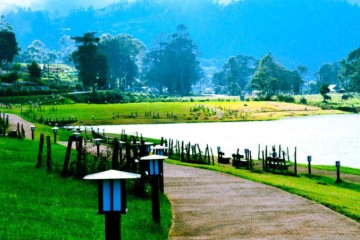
285	98
303	100
9	77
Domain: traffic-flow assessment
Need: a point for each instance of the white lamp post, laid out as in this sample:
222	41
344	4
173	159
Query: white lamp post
155	171
97	141
112	199
55	131
160	150
32	131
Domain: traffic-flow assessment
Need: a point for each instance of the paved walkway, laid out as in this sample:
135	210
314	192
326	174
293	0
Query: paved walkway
212	205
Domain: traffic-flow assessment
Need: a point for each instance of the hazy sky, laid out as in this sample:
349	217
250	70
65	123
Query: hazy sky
64	5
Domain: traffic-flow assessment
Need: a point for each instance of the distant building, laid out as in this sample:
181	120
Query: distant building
333	88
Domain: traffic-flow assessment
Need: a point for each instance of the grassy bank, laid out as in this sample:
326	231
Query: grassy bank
40	205
342	197
166	112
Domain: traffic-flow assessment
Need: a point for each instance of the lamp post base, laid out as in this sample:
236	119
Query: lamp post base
112	226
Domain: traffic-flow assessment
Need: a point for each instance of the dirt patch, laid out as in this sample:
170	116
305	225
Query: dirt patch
212	205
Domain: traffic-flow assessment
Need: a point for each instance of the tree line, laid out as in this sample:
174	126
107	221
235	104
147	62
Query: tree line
172	64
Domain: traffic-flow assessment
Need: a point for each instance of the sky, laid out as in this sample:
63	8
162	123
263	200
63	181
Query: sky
64	5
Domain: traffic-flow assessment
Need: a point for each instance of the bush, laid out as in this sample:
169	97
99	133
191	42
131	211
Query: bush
303	100
285	98
9	77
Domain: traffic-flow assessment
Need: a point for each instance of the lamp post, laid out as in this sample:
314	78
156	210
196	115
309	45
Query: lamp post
155	170
112	199
309	164
32	131
160	150
337	164
97	141
55	131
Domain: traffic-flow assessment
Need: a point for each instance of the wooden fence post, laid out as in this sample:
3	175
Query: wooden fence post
81	171
41	147
182	151
65	171
295	163
22	131
48	158
115	156
18	131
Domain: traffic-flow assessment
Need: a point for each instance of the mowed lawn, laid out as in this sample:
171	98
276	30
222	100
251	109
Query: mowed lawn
35	204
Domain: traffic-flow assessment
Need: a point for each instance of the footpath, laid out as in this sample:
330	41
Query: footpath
212	205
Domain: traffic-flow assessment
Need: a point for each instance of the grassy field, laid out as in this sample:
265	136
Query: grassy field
167	112
40	205
342	197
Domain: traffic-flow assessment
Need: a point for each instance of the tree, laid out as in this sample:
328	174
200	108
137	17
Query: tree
92	65
264	78
174	64
34	71
329	73
236	73
272	78
8	44
301	70
324	90
350	73
123	53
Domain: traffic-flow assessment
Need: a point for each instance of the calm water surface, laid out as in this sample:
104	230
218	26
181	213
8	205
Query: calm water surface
326	138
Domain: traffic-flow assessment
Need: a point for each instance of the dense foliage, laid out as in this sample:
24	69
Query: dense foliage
271	78
123	56
8	44
351	70
174	64
91	64
235	75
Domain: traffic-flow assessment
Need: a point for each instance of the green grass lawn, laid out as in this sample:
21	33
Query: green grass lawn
40	205
167	112
342	197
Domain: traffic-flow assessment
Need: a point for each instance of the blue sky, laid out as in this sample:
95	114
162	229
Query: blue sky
64	5
68	4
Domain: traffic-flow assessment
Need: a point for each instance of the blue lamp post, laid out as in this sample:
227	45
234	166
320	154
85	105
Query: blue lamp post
55	131
112	199
97	141
155	171
160	150
32	131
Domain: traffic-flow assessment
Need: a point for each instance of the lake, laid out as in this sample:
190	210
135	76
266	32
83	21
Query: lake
327	138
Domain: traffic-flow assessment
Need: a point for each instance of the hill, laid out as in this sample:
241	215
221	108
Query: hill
296	32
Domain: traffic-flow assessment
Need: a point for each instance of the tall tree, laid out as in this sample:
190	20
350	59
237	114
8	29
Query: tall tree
34	71
8	44
92	65
302	70
329	73
351	70
272	78
236	74
179	61
123	53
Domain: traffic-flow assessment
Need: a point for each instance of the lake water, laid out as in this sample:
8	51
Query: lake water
327	138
